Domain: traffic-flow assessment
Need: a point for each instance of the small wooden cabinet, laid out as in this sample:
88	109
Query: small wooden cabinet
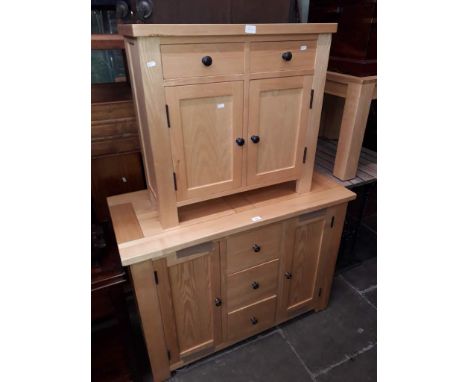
226	108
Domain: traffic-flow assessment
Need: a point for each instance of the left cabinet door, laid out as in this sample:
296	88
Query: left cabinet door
194	282
205	121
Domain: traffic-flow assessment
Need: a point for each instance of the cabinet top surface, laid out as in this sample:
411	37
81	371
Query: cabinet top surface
140	236
145	30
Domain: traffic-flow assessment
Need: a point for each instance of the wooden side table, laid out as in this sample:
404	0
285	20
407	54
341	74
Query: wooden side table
358	93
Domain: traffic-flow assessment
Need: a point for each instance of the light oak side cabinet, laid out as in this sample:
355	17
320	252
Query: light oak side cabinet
207	297
226	108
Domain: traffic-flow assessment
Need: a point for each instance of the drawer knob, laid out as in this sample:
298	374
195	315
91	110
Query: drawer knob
288	275
287	56
255	138
218	301
207	60
256	248
240	141
255	285
253	320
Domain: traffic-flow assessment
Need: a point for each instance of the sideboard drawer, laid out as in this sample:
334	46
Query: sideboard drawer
199	60
282	55
252	248
252	319
252	285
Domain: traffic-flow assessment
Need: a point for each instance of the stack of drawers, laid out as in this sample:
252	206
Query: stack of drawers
252	265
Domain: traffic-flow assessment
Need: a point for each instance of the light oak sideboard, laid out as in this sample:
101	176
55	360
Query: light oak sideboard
235	266
224	109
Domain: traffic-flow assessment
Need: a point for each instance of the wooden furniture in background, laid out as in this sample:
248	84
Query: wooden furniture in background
347	120
224	109
354	48
234	266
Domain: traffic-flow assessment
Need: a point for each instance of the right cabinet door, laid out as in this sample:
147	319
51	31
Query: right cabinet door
278	113
305	247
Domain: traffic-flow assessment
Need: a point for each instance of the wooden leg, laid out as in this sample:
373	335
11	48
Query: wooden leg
148	306
353	127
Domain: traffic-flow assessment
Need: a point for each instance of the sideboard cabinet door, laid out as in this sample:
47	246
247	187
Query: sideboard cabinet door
305	246
205	121
278	111
195	294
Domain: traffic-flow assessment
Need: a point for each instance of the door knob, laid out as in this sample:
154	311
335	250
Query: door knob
207	60
240	141
288	275
254	320
255	285
287	56
255	138
256	248
218	301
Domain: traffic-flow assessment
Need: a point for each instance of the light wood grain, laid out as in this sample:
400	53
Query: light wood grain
167	309
150	313
278	111
126	225
240	253
222	29
185	60
194	286
240	291
267	56
304	184
205	122
353	127
149	99
239	321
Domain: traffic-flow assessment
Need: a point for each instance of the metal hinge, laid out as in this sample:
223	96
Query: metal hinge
304	156
332	222
156	280
311	98
320	292
169	355
167	115
175	181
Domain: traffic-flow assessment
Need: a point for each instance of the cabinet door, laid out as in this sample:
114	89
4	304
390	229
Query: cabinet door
195	286
278	113
205	121
305	246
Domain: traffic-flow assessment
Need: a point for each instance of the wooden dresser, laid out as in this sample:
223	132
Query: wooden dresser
235	233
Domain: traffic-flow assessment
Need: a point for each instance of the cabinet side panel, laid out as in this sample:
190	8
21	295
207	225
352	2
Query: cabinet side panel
304	184
149	308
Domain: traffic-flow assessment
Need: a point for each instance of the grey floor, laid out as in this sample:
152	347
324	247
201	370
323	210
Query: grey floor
337	344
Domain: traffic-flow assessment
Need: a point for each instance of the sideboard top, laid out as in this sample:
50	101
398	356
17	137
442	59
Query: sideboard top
140	236
145	30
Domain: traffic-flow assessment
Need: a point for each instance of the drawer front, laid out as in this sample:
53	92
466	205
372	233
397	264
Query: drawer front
185	60
252	319
253	248
268	56
252	285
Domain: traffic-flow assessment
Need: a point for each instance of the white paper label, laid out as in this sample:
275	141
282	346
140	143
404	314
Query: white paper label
251	29
220	105
256	218
303	47
151	64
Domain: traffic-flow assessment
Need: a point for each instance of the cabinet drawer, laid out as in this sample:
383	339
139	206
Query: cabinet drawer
185	60
253	248
268	56
252	285
252	319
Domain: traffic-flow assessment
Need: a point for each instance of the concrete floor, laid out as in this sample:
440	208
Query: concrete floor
337	344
